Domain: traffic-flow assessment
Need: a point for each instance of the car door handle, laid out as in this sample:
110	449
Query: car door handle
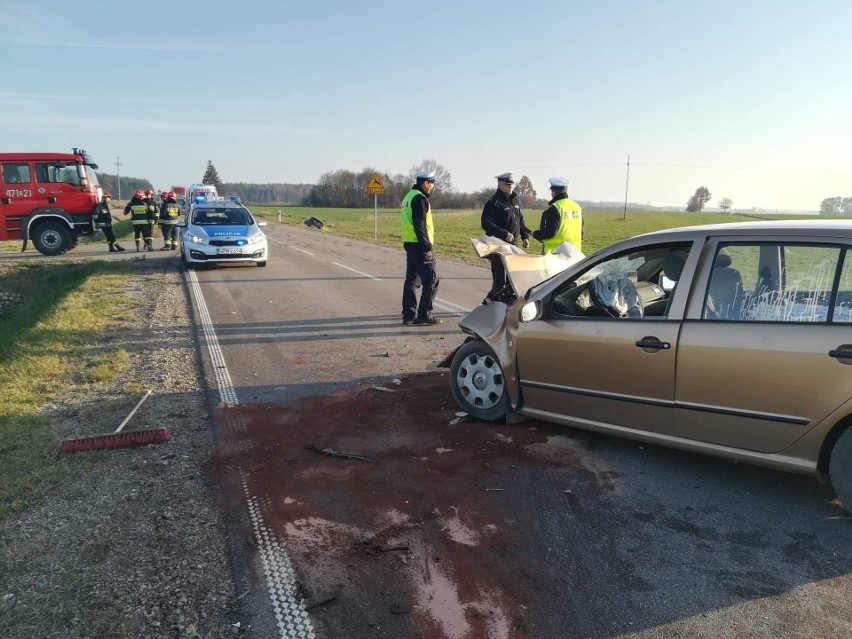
653	343
838	354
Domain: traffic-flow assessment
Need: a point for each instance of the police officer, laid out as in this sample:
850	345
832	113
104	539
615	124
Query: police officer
137	208
502	218
169	213
418	234
104	221
562	221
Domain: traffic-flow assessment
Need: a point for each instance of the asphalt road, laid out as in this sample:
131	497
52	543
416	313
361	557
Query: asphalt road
649	542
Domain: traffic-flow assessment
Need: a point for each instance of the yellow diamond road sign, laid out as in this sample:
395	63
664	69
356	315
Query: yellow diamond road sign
375	187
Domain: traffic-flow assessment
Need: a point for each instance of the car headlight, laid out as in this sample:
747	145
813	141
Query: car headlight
257	238
195	239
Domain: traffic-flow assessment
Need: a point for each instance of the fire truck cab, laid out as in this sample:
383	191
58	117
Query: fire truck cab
48	198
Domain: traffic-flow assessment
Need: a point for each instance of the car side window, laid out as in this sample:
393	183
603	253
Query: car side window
771	282
14	173
634	285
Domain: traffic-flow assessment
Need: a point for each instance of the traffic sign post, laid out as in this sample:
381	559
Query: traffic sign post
375	188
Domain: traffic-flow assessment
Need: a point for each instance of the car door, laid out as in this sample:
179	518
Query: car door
60	184
765	352
603	372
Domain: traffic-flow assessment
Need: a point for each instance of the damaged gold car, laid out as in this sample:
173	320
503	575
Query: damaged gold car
733	340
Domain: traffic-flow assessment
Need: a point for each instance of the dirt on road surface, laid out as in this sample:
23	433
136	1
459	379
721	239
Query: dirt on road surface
446	534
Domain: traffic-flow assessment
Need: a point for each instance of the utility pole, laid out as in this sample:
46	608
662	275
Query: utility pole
626	188
118	174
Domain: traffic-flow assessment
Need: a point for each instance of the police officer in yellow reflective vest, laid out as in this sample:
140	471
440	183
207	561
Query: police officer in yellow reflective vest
562	221
418	234
169	213
140	218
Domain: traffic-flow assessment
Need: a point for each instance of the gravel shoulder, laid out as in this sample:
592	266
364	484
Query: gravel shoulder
136	546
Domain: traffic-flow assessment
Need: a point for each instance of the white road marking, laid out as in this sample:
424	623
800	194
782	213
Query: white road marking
298	249
283	588
349	268
453	306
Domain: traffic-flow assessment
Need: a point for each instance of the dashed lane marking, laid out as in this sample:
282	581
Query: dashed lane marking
298	249
288	606
349	268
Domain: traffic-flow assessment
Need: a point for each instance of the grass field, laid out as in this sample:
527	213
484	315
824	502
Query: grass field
453	229
61	339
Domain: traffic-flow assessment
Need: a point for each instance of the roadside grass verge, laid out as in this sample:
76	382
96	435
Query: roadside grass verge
59	341
454	228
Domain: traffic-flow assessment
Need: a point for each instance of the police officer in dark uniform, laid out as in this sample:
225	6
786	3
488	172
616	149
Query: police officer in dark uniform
502	218
418	234
104	221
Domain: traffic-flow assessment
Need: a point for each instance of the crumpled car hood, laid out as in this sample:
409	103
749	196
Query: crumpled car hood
525	270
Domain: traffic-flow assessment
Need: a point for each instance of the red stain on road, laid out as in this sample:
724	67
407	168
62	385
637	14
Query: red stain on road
426	527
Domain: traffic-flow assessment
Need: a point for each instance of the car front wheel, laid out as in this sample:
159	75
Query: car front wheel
840	468
477	381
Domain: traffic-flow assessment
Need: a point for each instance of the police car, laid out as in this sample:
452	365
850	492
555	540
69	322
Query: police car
220	229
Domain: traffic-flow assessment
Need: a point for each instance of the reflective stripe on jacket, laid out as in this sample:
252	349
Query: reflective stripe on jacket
570	225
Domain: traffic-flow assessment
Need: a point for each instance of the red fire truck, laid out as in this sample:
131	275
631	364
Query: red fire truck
48	198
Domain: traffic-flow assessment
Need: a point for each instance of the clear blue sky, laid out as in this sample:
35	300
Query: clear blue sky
751	100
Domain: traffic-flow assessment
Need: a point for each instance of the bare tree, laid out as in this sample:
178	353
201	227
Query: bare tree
725	204
444	180
525	191
698	200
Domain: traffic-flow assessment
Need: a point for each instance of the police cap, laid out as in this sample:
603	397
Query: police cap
506	178
426	175
558	184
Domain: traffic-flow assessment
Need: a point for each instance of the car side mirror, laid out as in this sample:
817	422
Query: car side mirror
182	224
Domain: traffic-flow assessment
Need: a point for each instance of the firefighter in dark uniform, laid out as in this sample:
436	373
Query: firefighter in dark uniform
562	221
418	235
104	221
502	218
169	213
137	208
153	217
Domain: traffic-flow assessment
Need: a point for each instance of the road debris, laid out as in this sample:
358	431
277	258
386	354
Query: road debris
493	490
384	388
397	382
394	548
328	452
322	602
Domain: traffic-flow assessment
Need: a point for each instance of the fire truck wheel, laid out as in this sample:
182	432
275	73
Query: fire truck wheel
51	237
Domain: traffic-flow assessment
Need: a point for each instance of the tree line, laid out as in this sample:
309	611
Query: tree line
109	183
836	206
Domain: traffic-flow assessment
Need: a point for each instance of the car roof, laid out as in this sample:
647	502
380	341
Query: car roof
816	228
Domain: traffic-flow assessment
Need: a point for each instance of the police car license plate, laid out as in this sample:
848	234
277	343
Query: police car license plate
229	251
